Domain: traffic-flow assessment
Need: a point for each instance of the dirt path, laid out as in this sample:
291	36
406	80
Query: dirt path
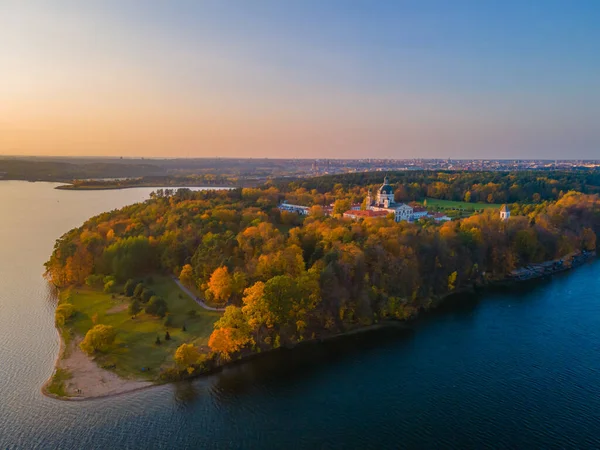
196	299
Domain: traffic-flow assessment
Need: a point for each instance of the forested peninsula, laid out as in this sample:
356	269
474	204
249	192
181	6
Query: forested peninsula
157	182
134	283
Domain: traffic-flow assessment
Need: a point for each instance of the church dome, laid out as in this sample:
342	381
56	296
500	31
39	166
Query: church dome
385	187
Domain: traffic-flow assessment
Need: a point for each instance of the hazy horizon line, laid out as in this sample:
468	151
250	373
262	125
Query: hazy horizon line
158	158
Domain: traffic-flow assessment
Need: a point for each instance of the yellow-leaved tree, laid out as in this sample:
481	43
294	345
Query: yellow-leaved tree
452	281
63	312
187	275
186	355
231	334
341	206
98	339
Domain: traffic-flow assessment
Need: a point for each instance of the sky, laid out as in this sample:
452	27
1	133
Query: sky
301	78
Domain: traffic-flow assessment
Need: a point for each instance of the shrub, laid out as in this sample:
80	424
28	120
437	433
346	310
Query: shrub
135	307
94	280
137	292
157	307
147	294
171	374
109	286
63	312
129	288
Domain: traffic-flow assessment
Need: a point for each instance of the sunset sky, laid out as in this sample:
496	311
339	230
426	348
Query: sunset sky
337	79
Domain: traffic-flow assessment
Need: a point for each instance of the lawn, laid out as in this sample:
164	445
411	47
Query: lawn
450	204
135	346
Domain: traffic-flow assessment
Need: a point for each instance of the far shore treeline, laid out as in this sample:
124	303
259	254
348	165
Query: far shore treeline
476	187
286	278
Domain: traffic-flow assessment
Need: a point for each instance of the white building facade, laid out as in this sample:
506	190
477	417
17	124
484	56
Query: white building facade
385	202
302	210
402	211
383	205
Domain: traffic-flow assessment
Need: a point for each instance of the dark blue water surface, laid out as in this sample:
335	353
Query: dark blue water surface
512	368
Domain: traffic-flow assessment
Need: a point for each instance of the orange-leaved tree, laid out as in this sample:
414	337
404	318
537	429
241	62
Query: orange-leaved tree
220	285
231	334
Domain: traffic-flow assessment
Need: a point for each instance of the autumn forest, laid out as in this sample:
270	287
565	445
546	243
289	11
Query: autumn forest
283	279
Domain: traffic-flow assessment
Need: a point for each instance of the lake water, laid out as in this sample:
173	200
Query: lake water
514	368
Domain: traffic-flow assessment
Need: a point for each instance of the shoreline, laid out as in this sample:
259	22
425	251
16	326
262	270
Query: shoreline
85	375
59	363
44	388
122	386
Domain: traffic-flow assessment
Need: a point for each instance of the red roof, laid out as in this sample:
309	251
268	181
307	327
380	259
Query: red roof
366	213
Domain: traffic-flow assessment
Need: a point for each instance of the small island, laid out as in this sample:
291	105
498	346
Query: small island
187	282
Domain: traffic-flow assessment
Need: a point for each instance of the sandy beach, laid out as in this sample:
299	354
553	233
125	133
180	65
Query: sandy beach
88	380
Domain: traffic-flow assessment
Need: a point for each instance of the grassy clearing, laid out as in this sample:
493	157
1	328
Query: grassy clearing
57	382
135	346
450	204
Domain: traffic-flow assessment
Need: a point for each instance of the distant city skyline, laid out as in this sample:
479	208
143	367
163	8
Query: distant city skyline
304	79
